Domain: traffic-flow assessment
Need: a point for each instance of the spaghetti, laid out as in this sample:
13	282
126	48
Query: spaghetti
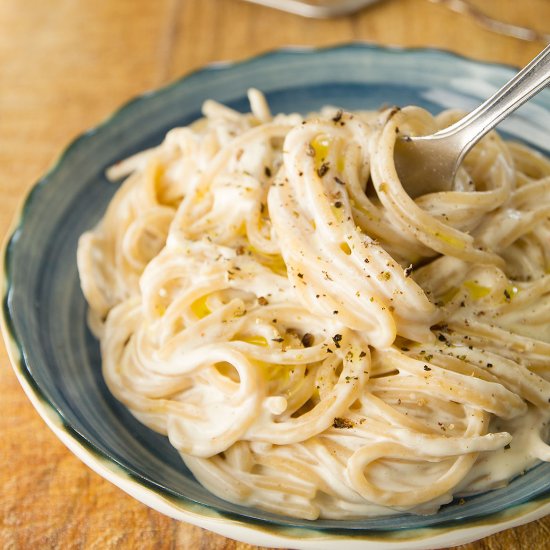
313	341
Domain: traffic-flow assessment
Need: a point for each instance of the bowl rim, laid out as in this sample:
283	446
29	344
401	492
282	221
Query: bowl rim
227	523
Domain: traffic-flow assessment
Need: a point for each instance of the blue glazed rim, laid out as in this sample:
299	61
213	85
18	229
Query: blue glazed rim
47	408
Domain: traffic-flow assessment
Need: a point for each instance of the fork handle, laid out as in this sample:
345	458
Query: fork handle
522	87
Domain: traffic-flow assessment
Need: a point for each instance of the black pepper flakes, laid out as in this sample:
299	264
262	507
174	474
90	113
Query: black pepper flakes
338	204
341	423
362	354
426	368
262	301
267	171
323	169
339	181
338	115
307	340
337	338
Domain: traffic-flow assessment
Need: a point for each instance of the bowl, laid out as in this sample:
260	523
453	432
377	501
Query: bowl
57	360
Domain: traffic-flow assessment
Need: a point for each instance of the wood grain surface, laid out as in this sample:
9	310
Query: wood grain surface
64	66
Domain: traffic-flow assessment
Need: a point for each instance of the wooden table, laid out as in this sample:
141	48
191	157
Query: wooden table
66	65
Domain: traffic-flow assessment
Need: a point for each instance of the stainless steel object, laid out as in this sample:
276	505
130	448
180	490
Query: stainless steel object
427	164
317	8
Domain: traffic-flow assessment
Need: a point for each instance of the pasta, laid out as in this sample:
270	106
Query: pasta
313	341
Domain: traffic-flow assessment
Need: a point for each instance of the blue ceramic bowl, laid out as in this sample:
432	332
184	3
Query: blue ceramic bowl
57	360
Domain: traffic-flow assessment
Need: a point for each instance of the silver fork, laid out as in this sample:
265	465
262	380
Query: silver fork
427	164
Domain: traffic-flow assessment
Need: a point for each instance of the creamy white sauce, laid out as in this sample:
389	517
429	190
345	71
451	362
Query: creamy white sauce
312	340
